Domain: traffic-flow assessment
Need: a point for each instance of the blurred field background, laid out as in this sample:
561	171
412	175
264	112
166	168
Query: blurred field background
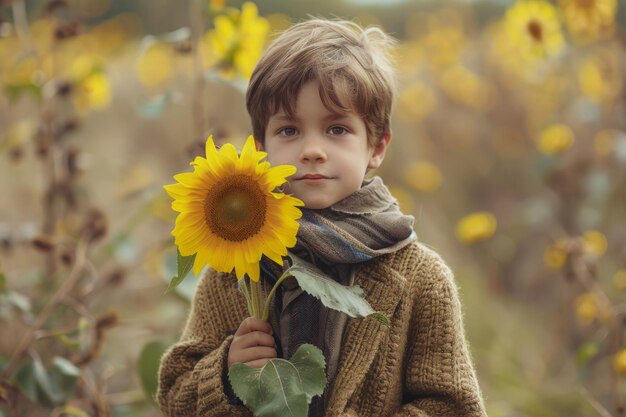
509	147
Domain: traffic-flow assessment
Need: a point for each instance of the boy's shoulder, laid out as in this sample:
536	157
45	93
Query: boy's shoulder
417	264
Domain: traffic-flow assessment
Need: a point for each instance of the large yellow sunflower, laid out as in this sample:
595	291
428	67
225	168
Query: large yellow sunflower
533	28
230	215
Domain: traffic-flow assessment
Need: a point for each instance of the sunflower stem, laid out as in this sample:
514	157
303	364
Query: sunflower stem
268	300
256	299
243	285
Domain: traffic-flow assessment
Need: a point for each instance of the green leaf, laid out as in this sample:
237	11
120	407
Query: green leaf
281	387
63	376
149	361
3	283
184	265
349	300
47	387
586	352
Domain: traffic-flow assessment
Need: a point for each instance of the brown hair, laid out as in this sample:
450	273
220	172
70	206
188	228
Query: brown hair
351	65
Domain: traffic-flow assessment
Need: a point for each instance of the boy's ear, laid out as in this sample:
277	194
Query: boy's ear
379	152
259	144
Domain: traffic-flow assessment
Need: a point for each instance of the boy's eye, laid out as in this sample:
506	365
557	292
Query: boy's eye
288	131
337	130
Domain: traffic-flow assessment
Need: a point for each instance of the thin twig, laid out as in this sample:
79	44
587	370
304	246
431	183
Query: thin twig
594	403
61	292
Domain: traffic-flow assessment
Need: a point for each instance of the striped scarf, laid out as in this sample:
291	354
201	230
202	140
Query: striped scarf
366	224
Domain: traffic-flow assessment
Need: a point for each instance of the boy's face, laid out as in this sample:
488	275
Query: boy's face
330	151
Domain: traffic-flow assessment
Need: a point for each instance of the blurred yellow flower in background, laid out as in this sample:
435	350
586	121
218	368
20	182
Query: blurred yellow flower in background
230	215
594	242
589	20
533	29
423	176
555	255
555	139
238	40
600	76
97	91
587	308
155	66
619	362
415	102
619	279
465	87
476	227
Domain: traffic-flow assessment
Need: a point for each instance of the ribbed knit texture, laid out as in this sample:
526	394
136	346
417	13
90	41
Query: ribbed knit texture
418	366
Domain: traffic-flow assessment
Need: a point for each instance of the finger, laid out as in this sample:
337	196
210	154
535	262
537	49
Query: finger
253	354
254	339
251	325
259	363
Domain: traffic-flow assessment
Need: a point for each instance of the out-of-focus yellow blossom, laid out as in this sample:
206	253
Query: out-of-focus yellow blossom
465	87
424	177
587	308
594	242
555	255
93	8
238	40
555	139
588	20
619	362
619	279
155	66
404	198
476	227
19	133
112	35
600	76
416	102
443	45
84	65
533	29
217	4
97	90
604	142
411	58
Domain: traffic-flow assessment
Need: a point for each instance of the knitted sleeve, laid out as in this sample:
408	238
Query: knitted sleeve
440	380
192	375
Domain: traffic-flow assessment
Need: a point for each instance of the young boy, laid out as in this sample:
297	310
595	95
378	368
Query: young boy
320	99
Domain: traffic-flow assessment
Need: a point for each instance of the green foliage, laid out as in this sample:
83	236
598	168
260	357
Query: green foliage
184	265
349	300
281	387
47	387
149	361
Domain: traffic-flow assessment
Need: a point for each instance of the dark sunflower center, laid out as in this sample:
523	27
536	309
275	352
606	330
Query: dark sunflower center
235	209
535	30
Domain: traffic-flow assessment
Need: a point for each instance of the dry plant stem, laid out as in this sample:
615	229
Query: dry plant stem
197	26
594	403
65	287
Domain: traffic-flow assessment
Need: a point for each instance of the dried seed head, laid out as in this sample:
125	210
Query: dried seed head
107	320
64	88
116	277
43	243
16	153
68	30
183	47
72	162
95	226
67	257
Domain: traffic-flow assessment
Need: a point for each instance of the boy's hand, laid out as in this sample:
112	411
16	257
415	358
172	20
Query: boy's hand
253	344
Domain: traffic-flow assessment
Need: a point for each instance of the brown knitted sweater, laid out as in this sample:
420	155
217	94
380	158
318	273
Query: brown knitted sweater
418	366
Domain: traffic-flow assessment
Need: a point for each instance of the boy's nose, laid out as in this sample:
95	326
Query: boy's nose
312	151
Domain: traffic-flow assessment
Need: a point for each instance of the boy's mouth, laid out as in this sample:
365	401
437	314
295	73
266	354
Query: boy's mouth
313	178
